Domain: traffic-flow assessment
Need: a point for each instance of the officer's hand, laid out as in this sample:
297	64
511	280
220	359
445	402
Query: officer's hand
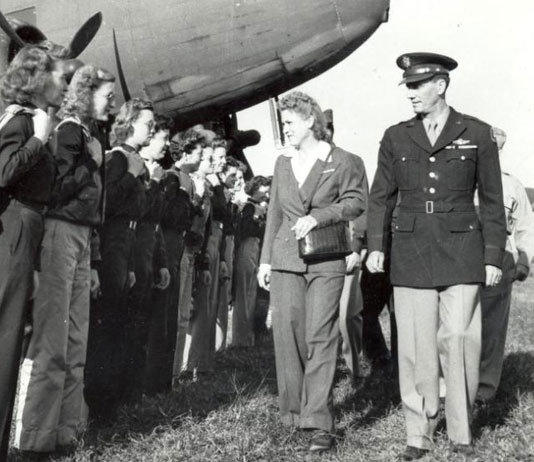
493	275
131	279
164	279
95	284
303	226
42	125
264	276
375	262
521	272
353	261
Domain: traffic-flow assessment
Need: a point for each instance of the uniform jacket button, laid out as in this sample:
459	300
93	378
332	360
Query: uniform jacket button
432	190
463	157
432	159
432	175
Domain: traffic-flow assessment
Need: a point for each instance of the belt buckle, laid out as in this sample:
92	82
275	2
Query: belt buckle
132	225
429	206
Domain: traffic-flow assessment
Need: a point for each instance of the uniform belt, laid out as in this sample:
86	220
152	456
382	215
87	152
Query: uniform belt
150	224
437	207
40	209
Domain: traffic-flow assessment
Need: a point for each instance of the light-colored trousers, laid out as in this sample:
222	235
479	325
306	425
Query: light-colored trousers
351	321
305	308
51	410
438	327
245	292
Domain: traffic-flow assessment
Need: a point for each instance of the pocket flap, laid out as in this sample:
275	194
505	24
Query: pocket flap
405	223
463	222
461	154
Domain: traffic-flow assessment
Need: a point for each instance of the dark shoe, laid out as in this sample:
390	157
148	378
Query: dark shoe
321	441
464	449
413	453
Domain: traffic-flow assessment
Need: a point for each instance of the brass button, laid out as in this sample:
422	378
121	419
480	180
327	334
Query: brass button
471	227
404	159
463	157
432	191
432	159
432	175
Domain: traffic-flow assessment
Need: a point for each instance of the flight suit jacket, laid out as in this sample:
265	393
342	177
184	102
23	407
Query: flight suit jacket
340	196
438	239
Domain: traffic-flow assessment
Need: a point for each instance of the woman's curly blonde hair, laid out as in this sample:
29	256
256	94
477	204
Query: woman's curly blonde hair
306	106
79	98
128	114
26	76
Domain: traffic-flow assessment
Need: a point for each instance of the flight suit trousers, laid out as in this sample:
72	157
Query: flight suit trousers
225	292
377	293
140	307
440	326
202	328
350	321
305	309
105	372
245	293
495	303
185	309
164	320
19	247
51	408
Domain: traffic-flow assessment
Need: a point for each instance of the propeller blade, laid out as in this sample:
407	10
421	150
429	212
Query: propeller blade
10	32
122	79
85	34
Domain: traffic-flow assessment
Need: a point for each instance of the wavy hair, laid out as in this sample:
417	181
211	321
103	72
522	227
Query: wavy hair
185	143
79	98
26	76
127	115
252	185
306	106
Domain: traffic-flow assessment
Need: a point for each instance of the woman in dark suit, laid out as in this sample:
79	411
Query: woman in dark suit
305	297
32	84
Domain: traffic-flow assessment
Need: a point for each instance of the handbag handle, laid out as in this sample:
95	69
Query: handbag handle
314	190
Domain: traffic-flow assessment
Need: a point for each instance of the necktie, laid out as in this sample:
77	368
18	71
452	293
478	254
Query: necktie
432	131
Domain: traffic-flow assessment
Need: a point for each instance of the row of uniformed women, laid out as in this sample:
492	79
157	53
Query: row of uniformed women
54	202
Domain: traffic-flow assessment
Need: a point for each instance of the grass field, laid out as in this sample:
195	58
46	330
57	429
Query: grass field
231	416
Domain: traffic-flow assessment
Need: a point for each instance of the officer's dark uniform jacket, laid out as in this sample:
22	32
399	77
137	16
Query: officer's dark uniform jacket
438	239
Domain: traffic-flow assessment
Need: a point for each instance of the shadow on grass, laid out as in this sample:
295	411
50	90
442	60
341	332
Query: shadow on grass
239	375
517	378
372	397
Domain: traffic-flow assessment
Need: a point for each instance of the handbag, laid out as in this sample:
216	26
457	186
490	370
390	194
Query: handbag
326	242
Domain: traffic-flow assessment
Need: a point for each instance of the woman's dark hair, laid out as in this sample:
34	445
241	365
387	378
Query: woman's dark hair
252	185
306	107
185	143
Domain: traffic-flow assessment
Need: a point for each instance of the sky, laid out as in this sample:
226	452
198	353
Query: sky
493	42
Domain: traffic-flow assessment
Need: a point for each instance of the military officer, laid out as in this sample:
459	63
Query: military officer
441	251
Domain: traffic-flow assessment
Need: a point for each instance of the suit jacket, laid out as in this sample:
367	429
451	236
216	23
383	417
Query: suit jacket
340	196
438	239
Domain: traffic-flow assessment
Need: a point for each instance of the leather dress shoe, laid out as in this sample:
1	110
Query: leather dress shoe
413	453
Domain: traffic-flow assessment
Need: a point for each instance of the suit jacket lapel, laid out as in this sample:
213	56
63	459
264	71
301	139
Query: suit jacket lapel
454	127
292	184
310	183
418	134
